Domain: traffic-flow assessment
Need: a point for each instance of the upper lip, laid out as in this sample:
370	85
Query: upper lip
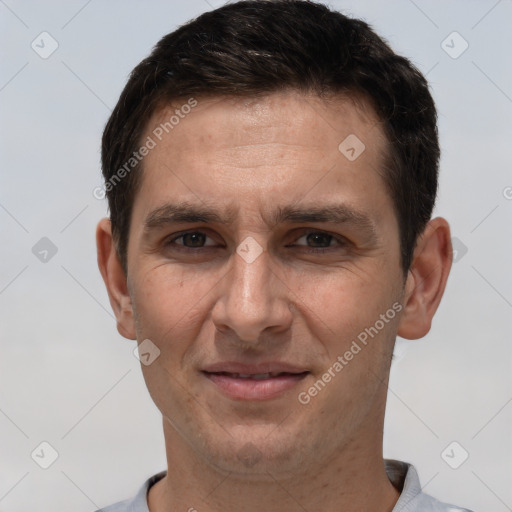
253	369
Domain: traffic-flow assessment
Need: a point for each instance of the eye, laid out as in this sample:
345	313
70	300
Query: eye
320	241
191	240
312	241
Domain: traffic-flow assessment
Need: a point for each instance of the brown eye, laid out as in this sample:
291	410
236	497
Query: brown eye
191	240
319	240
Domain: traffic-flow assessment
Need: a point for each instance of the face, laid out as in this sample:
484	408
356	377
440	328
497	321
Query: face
264	265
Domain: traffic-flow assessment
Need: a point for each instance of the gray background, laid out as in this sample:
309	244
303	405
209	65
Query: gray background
68	378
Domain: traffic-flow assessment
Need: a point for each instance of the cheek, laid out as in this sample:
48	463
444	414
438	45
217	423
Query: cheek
354	316
169	302
345	298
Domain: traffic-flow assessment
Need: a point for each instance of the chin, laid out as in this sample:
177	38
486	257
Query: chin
257	455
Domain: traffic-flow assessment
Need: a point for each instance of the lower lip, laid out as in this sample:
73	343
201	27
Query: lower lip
254	389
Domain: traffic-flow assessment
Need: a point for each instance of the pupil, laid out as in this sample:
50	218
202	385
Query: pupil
194	239
319	238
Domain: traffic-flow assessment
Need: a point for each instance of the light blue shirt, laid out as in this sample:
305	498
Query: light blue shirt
401	474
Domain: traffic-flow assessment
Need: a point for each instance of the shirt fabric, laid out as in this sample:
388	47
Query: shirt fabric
401	474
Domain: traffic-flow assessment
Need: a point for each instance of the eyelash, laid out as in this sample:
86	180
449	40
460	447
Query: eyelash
310	250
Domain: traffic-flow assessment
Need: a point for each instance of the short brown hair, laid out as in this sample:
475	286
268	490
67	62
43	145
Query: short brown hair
255	47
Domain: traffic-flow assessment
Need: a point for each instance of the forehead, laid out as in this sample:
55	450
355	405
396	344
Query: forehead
289	116
255	150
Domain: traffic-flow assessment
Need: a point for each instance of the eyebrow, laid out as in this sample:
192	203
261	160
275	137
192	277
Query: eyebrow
184	212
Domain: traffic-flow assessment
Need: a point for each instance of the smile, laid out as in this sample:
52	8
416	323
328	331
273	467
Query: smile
254	386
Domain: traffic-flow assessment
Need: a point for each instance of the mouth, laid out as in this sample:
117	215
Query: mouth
254	386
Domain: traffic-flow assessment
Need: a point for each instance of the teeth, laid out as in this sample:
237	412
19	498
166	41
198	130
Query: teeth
256	376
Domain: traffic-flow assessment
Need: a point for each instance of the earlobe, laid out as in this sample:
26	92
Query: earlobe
426	280
114	279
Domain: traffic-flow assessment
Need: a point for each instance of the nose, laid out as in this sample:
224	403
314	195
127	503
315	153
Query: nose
252	300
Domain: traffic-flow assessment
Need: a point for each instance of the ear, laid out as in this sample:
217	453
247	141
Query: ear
115	279
426	279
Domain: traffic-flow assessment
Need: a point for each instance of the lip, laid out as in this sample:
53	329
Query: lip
225	378
255	368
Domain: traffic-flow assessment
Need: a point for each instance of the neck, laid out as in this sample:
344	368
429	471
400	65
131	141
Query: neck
353	479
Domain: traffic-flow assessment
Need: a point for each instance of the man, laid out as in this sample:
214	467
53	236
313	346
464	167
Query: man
271	171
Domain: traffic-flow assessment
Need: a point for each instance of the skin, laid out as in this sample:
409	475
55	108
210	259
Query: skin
202	306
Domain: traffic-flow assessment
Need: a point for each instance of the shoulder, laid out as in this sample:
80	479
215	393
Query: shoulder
412	499
120	506
139	502
426	503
